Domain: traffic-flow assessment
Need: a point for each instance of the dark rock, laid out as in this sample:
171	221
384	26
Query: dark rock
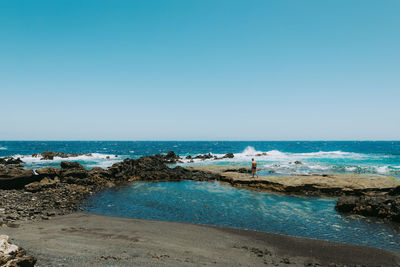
152	168
15	177
73	170
298	162
382	206
99	172
261	154
395	191
228	156
239	170
204	157
189	157
171	157
24	261
49	155
10	161
49	172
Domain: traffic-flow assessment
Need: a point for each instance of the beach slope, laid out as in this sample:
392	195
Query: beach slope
83	239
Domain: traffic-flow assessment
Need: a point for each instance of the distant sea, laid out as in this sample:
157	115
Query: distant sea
359	157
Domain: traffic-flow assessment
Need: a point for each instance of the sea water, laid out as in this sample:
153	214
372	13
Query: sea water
212	203
359	157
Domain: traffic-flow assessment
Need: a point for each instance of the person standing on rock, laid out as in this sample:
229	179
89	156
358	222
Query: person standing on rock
254	167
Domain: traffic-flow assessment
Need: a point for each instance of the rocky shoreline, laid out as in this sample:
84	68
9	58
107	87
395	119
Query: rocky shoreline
49	191
40	194
33	195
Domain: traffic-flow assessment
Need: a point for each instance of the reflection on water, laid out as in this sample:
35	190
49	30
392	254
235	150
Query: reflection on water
212	203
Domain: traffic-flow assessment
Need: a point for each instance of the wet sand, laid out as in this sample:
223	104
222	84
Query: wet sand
83	239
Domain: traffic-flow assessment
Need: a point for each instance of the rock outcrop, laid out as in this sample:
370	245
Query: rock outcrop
45	183
153	168
48	191
50	155
382	206
73	170
12	255
228	156
10	161
14	177
204	157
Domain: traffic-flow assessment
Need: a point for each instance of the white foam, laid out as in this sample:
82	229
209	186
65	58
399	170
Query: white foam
3	148
382	169
91	160
275	155
88	157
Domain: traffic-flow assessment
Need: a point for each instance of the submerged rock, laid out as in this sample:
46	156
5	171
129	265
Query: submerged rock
382	206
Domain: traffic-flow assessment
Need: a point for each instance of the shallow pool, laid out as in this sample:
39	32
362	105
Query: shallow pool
213	203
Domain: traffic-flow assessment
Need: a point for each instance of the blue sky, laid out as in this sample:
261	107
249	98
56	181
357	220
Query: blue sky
200	70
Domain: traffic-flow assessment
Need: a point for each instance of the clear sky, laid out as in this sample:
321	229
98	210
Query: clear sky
200	70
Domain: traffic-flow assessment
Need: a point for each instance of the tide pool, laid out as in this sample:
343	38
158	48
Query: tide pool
212	203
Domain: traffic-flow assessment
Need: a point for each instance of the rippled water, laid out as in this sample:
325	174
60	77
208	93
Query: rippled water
212	203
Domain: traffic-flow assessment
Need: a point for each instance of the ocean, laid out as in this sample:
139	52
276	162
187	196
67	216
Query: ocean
359	157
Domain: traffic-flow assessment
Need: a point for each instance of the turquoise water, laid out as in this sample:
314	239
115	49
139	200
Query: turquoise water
366	157
212	203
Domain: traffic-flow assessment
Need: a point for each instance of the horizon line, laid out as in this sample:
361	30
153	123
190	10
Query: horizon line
93	140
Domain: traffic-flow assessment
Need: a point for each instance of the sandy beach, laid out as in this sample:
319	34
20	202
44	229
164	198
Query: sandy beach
83	239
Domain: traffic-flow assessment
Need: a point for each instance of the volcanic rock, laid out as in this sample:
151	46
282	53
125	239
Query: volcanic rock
15	177
49	172
229	156
382	206
204	157
10	160
171	157
73	170
153	168
43	184
49	155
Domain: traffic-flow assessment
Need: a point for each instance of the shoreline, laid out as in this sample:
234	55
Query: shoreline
90	239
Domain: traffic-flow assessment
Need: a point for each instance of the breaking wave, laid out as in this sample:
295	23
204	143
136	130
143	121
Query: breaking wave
88	160
278	162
